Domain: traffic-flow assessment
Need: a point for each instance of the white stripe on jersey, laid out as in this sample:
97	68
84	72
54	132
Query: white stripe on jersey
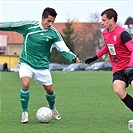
56	32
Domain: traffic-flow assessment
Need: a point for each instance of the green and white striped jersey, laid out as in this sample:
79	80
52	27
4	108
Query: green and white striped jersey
38	43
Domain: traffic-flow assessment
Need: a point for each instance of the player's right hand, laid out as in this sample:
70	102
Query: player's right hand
78	60
129	71
91	59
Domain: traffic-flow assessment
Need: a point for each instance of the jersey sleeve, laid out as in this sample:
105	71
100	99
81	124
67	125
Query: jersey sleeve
129	45
60	45
127	40
125	37
102	51
131	60
65	51
20	26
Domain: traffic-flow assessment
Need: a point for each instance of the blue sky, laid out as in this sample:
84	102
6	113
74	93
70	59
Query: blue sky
73	9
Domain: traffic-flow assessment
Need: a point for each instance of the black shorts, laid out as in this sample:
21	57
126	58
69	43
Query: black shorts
120	75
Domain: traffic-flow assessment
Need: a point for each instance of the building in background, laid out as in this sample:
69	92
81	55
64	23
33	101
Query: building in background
3	44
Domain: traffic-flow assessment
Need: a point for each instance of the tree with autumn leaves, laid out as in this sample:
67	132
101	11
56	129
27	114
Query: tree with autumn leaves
84	39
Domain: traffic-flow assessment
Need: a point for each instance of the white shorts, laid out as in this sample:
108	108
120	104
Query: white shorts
40	76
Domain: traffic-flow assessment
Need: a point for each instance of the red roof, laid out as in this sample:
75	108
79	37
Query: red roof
12	37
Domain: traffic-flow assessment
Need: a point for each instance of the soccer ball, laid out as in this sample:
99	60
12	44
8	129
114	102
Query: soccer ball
44	114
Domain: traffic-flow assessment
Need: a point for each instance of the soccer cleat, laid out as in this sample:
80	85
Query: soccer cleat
56	114
24	118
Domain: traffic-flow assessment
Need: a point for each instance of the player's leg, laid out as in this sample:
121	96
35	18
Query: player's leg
131	81
24	93
119	88
44	77
120	82
25	75
132	84
50	96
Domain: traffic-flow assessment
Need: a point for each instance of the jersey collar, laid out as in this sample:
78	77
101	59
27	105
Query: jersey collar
41	26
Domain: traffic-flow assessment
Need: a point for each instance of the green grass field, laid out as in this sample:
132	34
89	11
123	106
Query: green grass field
85	100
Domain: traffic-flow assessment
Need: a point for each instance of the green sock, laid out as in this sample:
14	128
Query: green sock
24	98
51	100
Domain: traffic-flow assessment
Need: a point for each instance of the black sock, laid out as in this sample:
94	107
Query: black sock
128	100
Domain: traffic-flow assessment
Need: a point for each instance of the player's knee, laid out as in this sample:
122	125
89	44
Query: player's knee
25	85
50	91
120	92
117	90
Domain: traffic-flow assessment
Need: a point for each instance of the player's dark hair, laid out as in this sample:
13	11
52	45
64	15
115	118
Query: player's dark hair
49	11
110	13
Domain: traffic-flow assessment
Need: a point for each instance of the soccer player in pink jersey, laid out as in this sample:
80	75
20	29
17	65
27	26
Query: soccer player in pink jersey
119	46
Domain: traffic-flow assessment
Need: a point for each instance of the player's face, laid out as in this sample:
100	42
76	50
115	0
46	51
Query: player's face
47	22
107	23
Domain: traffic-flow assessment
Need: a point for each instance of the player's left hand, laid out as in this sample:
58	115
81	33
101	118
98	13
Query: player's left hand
78	60
129	71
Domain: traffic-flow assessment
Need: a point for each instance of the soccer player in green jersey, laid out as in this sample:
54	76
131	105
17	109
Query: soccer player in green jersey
39	39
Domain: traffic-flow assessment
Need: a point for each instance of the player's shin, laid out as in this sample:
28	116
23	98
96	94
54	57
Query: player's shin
51	100
128	100
24	98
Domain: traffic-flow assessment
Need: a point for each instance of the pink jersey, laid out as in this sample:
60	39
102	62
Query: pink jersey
121	55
